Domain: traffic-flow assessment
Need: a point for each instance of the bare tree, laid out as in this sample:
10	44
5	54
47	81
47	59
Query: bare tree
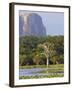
48	50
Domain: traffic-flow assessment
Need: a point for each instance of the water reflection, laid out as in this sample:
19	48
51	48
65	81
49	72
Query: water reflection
38	72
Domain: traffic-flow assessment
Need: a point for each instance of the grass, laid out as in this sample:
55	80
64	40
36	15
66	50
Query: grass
45	76
41	66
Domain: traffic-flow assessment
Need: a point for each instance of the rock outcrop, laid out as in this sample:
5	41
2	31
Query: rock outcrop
31	24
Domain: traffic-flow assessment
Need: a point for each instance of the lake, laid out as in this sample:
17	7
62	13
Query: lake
40	72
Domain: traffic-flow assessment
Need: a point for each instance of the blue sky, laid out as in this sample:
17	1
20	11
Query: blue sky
53	22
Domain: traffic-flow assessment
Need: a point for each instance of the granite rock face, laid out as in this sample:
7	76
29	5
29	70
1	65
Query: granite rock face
31	24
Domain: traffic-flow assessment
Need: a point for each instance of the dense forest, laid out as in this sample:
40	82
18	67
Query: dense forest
37	50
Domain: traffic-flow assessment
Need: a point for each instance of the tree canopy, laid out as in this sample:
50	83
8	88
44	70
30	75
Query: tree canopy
31	47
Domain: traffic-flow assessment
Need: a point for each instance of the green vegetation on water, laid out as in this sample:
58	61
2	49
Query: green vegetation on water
36	77
45	76
51	72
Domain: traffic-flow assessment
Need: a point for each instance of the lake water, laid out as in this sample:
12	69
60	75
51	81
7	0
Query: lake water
36	71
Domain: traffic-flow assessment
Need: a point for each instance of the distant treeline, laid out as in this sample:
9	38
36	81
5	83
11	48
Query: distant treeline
31	54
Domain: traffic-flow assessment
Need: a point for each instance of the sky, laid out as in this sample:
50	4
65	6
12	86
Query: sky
53	22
